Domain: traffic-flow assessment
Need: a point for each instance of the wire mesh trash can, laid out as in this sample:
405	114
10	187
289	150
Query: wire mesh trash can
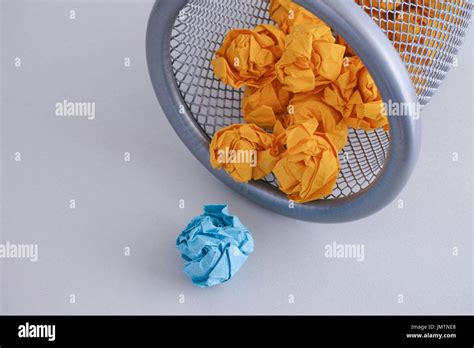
407	63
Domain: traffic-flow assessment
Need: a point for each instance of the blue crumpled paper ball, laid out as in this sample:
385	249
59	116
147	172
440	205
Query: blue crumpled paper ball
214	246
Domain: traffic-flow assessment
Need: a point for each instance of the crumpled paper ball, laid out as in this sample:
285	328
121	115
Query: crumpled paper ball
327	60
367	87
355	95
214	246
309	169
311	58
371	114
278	37
311	107
349	51
245	151
247	57
294	69
343	94
287	14
263	106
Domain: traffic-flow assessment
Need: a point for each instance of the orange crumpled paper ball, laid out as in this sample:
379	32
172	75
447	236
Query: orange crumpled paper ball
310	167
310	58
263	106
371	113
349	51
247	57
310	107
288	14
355	95
342	94
245	151
294	69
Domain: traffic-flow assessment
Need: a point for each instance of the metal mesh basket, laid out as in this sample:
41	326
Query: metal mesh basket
182	40
428	48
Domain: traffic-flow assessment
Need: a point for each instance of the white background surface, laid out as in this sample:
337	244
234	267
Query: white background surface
134	204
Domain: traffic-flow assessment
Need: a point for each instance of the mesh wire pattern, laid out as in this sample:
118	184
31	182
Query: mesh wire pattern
200	29
427	34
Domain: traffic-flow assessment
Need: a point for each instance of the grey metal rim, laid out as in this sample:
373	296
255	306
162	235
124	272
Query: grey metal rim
383	62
